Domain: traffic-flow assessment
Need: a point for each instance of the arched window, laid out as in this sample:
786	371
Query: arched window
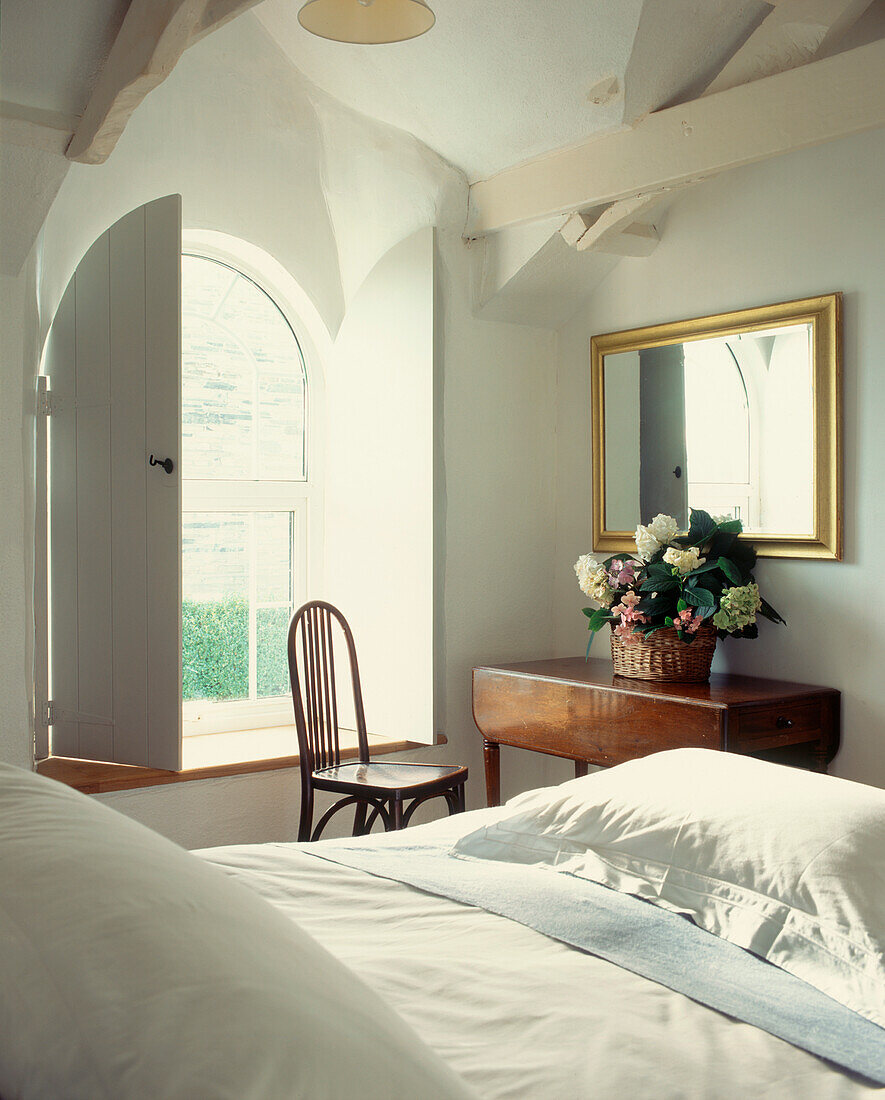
245	494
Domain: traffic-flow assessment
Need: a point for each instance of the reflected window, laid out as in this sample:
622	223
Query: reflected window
717	431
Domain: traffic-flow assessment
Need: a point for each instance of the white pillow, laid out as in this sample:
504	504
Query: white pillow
130	969
786	863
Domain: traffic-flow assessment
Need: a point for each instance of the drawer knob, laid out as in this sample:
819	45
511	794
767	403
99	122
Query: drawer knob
784	723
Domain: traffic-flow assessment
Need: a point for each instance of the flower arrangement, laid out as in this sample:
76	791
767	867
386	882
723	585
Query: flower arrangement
702	579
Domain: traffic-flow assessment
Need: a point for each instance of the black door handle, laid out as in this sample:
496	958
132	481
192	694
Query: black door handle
167	463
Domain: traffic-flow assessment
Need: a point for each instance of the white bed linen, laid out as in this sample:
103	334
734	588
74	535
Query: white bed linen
786	863
518	1015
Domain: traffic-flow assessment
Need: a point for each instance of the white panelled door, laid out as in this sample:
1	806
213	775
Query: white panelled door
113	376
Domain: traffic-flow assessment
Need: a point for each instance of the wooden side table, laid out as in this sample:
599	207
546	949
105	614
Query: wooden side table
578	709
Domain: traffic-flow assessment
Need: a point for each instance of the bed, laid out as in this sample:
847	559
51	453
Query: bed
415	985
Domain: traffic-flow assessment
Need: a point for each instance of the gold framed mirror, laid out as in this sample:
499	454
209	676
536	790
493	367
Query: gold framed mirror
738	414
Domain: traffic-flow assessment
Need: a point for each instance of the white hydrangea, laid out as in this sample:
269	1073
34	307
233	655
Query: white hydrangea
646	543
721	519
686	561
663	528
593	580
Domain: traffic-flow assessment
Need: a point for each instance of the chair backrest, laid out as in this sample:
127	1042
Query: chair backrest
312	634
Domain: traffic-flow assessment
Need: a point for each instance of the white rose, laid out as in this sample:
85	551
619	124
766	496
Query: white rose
663	528
686	561
646	543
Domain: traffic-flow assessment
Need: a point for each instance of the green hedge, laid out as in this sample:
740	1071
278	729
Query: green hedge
215	650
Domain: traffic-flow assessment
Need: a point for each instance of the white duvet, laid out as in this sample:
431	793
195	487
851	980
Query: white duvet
517	1014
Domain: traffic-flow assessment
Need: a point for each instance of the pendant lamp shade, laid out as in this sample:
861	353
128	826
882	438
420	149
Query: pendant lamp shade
367	22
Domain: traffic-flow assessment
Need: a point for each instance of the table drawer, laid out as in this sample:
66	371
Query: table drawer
791	720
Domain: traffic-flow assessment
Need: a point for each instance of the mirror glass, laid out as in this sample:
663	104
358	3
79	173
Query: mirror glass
736	414
724	424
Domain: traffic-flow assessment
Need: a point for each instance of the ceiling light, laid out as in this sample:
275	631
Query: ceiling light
367	22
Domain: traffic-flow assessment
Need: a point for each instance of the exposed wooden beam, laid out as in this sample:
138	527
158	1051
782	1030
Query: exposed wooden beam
153	36
793	34
615	230
815	103
35	128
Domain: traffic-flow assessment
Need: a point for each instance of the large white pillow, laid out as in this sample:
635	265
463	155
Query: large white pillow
786	863
132	970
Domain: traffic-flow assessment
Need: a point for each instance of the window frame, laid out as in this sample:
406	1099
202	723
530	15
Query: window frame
303	497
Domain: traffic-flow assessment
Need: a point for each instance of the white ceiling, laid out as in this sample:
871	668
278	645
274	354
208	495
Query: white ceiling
51	51
496	82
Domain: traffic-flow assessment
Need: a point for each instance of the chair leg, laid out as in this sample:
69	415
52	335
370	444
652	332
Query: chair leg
397	813
306	819
359	819
460	801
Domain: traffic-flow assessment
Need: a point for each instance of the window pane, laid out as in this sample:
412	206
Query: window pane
273	668
243	380
274	545
238	596
215	606
216	402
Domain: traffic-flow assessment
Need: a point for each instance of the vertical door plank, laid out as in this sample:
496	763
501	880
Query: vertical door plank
94	502
128	489
163	438
63	638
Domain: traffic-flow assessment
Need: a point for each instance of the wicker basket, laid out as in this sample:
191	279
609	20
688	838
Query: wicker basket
662	656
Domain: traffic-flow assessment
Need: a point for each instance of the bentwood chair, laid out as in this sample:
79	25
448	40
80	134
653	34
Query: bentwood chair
382	788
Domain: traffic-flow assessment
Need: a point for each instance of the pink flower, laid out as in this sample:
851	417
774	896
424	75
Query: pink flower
624	631
688	621
621	573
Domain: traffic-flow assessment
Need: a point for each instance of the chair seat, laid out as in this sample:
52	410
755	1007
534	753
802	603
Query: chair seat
391	780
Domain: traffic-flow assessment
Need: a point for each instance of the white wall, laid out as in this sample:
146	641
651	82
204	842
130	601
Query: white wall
258	154
379	487
804	224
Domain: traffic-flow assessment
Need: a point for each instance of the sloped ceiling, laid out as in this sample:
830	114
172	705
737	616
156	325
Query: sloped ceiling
51	53
499	81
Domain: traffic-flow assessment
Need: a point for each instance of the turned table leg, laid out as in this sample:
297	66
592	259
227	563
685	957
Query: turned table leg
491	752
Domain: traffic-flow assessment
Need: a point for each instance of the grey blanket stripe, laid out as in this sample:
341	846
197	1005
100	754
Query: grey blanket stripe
643	938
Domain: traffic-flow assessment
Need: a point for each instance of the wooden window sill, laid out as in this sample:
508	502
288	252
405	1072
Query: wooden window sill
202	761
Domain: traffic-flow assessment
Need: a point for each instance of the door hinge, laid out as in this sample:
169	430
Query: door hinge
53	714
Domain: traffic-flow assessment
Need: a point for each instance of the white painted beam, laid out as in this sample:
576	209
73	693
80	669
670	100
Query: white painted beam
603	232
34	128
153	36
793	34
810	105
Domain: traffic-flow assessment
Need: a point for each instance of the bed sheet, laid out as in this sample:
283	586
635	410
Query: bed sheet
517	1014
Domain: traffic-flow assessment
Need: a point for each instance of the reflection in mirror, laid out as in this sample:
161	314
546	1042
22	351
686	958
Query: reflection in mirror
724	424
736	414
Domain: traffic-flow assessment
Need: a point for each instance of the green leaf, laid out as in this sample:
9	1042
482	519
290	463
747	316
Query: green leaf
659	584
769	612
707	567
681	605
700	597
731	525
599	618
731	571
